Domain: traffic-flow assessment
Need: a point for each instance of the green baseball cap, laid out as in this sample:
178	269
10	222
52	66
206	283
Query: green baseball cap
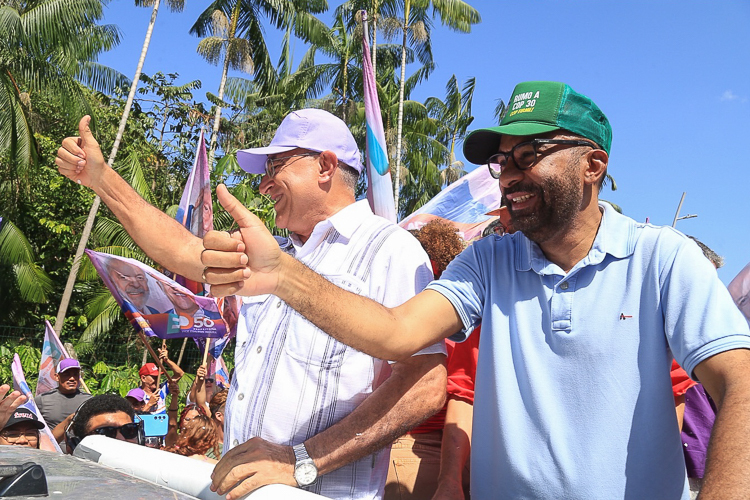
537	108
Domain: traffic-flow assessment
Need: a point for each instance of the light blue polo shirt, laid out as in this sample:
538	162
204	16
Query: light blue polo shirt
573	395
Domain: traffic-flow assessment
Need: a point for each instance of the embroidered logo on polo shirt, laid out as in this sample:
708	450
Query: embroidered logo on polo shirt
624	316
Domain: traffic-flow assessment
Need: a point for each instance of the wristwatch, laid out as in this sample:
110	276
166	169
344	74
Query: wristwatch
305	472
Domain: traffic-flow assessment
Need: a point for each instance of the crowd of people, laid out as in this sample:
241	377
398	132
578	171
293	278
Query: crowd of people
583	313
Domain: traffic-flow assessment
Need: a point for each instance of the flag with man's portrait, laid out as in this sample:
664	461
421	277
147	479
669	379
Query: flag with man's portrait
52	352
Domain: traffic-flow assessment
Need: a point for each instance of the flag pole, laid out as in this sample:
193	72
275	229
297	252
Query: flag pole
153	354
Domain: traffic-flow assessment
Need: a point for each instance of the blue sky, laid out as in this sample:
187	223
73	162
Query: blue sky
672	77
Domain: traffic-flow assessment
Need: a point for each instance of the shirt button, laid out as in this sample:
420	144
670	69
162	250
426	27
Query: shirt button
235	443
240	396
278	304
259	349
243	344
564	285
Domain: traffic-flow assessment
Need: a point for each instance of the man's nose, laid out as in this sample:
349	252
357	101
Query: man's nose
510	174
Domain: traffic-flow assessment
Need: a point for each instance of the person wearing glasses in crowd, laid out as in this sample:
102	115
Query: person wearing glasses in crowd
106	415
582	310
303	409
21	429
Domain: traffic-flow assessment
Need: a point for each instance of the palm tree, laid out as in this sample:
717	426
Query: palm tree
175	5
456	14
48	45
454	117
237	34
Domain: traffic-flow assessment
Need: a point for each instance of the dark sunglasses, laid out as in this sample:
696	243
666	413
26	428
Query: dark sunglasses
128	431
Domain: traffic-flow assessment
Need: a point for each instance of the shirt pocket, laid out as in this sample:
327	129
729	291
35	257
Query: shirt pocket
310	345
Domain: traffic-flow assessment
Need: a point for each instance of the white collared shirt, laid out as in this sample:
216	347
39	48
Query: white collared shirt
292	380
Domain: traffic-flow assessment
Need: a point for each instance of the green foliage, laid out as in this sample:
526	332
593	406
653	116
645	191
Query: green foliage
30	357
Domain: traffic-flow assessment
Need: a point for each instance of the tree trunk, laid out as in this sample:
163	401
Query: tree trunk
97	201
397	181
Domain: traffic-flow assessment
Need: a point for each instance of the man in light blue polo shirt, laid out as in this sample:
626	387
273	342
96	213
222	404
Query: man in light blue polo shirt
582	310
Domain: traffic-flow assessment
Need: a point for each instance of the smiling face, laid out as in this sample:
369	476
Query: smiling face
182	302
20	434
293	190
130	281
545	199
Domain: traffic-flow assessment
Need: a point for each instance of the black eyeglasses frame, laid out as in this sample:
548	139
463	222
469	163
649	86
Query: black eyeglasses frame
525	165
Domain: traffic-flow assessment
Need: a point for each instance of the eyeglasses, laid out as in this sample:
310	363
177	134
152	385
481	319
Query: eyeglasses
14	436
128	431
526	154
273	163
209	380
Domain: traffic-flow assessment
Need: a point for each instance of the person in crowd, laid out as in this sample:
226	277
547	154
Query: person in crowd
196	439
578	293
189	413
106	415
415	456
327	410
149	374
137	399
740	290
174	406
59	403
21	429
697	413
218	407
203	389
454	477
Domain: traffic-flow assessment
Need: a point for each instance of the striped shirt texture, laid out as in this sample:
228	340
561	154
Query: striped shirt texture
292	380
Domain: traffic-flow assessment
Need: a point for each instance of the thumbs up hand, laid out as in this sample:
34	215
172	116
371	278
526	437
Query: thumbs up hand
246	262
80	158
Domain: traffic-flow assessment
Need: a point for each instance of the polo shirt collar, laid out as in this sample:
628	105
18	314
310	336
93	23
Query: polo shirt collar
345	222
616	236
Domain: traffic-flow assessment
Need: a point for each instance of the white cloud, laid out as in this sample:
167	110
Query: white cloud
728	95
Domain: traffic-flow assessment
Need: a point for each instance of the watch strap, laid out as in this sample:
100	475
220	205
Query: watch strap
300	452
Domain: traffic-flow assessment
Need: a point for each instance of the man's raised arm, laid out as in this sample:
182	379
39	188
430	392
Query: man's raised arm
357	321
161	237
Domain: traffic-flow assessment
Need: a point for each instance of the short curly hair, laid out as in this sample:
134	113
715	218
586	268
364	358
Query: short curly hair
442	243
103	403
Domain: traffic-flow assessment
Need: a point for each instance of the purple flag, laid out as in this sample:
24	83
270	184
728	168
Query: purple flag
46	439
154	303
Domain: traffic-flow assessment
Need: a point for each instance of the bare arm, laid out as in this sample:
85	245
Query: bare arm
455	450
728	464
174	403
414	391
177	372
354	320
161	237
198	390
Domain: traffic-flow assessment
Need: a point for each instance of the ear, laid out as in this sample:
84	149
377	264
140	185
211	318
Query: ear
596	167
56	376
328	163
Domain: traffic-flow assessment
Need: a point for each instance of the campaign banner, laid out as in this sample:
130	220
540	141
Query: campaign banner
196	210
739	288
217	370
46	439
230	310
52	352
155	304
464	204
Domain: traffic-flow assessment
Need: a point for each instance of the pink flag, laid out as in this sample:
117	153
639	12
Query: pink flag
52	352
46	439
196	207
464	203
379	186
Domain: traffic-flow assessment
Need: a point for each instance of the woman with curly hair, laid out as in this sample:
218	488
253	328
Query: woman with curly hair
442	243
196	438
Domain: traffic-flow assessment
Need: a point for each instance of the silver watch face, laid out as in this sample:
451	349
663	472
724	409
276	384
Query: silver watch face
305	473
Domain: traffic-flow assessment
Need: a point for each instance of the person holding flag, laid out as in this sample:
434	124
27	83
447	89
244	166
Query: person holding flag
327	411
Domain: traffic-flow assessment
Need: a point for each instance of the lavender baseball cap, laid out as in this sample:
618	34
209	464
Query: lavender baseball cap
67	364
312	129
137	394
